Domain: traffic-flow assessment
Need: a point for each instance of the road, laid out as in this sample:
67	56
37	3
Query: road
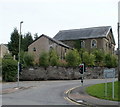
43	92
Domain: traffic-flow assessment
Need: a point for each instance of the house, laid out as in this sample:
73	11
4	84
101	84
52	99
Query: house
3	50
89	38
45	43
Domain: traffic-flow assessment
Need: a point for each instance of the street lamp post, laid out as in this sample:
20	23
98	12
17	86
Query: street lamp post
118	53
19	54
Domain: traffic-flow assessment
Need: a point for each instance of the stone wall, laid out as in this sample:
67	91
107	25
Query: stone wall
60	73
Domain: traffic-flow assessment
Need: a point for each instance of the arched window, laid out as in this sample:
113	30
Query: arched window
93	43
82	44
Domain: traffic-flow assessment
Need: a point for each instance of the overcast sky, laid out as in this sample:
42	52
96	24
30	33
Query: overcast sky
50	16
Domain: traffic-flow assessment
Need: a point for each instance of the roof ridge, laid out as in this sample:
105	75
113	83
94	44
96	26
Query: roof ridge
84	28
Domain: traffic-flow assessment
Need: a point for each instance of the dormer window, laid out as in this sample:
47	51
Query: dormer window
94	44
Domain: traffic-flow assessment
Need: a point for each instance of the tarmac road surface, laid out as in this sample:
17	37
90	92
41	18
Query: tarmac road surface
42	92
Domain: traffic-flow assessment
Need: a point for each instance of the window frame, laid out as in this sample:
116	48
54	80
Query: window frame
94	43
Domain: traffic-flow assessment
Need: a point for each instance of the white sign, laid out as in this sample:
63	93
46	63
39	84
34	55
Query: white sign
109	73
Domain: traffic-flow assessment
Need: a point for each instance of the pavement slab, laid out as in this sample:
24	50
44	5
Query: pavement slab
80	96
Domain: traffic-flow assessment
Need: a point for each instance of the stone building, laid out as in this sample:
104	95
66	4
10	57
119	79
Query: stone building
3	50
45	43
89	38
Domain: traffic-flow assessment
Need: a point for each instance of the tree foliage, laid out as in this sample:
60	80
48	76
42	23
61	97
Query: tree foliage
53	57
99	57
26	41
110	61
36	36
44	59
73	58
88	59
9	69
28	59
13	45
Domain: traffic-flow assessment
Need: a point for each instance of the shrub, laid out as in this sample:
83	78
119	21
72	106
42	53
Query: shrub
88	59
73	58
110	61
53	58
99	57
62	63
28	59
8	56
9	70
114	61
44	59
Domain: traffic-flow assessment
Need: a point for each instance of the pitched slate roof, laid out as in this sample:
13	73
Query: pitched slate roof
85	33
55	41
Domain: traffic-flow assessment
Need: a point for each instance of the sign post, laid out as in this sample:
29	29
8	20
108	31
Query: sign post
109	73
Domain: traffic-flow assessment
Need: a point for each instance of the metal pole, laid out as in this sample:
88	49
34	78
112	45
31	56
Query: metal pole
106	87
113	88
19	54
118	53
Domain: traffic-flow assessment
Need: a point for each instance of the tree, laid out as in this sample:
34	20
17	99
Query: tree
35	36
13	45
99	57
53	58
73	58
110	61
44	59
88	59
26	41
28	59
9	69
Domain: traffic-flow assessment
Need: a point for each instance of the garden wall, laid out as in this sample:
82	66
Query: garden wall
60	73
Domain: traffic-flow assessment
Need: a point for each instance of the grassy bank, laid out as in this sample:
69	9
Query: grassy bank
98	90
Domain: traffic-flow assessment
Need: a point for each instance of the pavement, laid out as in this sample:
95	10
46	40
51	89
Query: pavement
12	90
78	95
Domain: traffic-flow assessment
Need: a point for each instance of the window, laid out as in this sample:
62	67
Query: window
50	47
34	49
82	44
94	44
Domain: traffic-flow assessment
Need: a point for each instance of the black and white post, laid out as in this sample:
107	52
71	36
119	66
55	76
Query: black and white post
19	55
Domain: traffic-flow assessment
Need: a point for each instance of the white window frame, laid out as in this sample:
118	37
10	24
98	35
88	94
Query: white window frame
92	43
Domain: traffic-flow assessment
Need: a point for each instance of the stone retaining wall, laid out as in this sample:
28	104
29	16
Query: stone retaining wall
60	73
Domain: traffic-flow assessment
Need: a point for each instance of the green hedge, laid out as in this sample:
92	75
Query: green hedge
9	70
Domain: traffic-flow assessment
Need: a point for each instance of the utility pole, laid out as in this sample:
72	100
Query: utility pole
19	55
118	53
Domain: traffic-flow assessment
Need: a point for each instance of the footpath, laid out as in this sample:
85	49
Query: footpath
79	95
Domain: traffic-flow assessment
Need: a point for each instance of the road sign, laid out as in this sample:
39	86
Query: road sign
109	73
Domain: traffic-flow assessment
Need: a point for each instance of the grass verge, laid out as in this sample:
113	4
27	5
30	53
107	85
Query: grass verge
98	91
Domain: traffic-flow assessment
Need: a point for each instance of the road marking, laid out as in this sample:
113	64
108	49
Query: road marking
66	98
66	92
